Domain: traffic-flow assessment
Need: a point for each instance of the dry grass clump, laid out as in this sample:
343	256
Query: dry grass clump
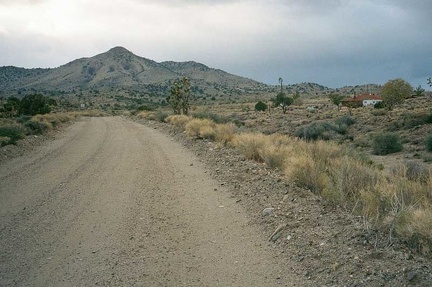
406	210
308	165
399	203
40	124
250	145
178	121
200	128
270	149
147	115
53	120
224	133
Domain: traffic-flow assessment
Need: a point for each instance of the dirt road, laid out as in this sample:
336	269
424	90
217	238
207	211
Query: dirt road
114	203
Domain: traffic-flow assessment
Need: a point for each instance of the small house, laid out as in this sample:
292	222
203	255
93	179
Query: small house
363	100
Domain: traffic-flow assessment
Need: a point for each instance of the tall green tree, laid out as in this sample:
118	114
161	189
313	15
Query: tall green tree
429	81
282	101
395	92
180	96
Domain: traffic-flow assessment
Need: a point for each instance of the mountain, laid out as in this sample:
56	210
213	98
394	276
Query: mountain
121	69
119	77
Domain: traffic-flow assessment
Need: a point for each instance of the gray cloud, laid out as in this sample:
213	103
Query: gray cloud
332	42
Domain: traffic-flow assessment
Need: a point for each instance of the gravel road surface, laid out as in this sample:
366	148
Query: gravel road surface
111	202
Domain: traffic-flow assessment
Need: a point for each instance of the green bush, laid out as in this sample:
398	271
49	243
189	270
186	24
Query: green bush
345	120
161	116
260	107
411	120
428	142
386	143
144	108
35	104
37	127
13	133
379	105
317	130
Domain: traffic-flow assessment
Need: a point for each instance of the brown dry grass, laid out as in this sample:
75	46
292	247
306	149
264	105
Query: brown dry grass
200	128
398	202
178	121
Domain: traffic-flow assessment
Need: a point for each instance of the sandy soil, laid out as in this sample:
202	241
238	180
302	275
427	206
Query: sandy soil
110	202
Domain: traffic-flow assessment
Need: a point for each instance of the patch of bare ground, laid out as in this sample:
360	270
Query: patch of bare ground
328	246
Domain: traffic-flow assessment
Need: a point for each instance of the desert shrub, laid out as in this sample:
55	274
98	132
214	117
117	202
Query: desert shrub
4	141
412	170
260	107
417	233
412	120
35	104
404	198
344	120
146	115
399	203
224	133
307	173
250	145
216	118
179	121
13	132
408	121
379	105
428	142
379	112
274	156
349	177
386	143
200	128
144	108
53	119
235	119
276	150
23	119
207	132
273	149
161	116
317	130
38	127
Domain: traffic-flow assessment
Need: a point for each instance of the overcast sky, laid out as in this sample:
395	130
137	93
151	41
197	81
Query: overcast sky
330	42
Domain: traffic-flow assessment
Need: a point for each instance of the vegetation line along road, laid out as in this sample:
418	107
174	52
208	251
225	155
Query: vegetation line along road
113	203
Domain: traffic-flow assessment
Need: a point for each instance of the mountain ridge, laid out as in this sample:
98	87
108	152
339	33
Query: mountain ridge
120	69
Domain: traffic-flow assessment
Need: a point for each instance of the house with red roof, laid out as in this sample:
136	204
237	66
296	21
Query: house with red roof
363	100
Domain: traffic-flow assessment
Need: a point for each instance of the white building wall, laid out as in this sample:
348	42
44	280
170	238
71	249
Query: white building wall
370	102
